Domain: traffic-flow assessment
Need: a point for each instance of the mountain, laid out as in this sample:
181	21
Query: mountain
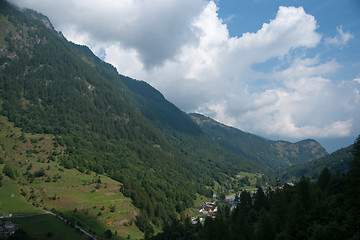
104	123
338	162
97	122
323	209
274	154
162	113
183	133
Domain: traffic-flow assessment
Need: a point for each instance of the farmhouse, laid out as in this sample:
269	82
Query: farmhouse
196	220
7	229
207	208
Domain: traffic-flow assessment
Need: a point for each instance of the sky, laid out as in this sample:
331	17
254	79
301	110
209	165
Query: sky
281	69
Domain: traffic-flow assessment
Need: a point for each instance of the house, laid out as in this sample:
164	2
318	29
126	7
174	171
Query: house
207	208
196	220
6	216
7	229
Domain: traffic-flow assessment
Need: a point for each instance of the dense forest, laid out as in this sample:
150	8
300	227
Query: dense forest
338	162
326	209
274	154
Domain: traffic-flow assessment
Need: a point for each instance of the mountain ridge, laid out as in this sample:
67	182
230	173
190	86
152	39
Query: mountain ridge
338	162
51	86
274	154
111	124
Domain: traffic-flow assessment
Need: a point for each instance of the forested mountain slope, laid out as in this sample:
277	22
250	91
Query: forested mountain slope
162	113
337	162
326	209
106	123
185	135
48	88
51	86
274	154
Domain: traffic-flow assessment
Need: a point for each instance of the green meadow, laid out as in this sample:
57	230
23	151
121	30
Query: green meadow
11	201
47	227
40	183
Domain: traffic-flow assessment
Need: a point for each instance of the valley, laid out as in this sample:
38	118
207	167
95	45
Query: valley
82	146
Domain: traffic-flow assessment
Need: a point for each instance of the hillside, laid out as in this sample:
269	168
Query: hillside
49	86
184	134
175	126
324	209
34	182
74	120
274	154
338	162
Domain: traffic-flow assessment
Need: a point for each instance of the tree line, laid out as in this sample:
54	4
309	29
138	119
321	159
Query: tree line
326	209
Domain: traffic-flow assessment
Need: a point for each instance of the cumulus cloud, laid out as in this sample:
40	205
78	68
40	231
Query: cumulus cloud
184	49
156	29
341	38
216	75
291	28
307	106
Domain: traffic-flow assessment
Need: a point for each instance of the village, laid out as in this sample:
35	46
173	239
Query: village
207	209
210	209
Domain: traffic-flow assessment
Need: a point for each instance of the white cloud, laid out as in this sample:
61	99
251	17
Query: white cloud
184	49
301	103
303	67
341	38
291	28
156	29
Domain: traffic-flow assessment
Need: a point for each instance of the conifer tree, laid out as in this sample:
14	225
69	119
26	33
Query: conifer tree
324	179
354	176
261	201
245	199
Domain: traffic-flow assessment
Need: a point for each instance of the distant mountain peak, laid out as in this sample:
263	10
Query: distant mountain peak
274	154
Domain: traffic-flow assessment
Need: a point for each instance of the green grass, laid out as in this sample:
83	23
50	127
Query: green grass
200	199
74	190
246	174
12	202
44	226
192	212
252	179
249	188
81	201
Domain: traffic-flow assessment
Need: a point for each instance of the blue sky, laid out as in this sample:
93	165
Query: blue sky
282	69
329	15
249	15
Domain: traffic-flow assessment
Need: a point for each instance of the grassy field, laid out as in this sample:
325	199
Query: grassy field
90	200
252	179
12	202
92	204
47	227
